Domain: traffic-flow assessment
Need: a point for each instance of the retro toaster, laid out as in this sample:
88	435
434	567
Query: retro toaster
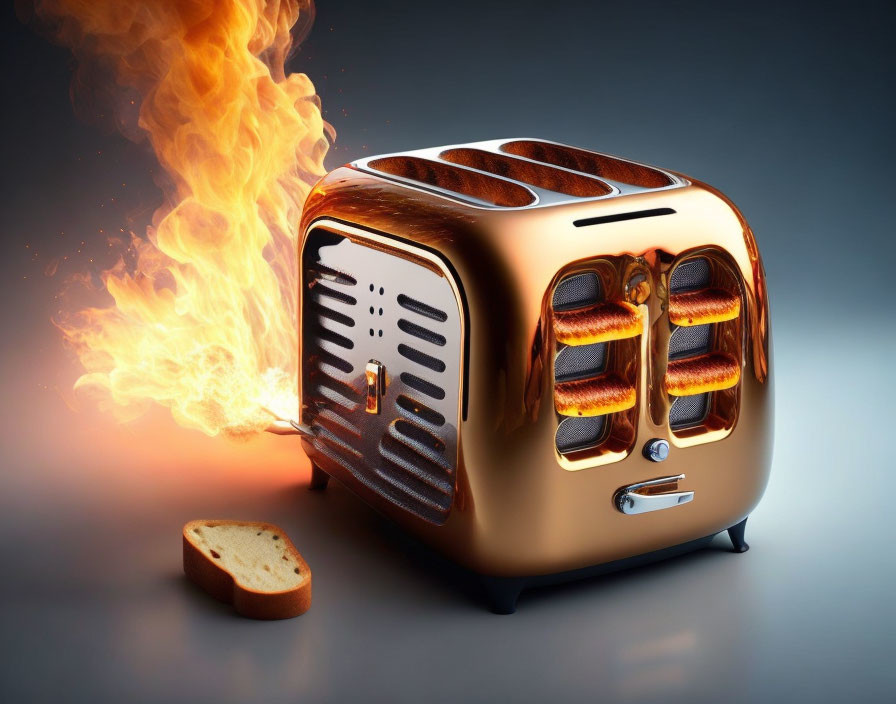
545	362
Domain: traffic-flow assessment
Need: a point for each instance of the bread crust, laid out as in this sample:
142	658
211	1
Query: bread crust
601	322
710	305
696	375
205	572
607	393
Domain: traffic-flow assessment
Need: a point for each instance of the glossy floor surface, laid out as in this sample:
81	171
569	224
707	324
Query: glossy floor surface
94	605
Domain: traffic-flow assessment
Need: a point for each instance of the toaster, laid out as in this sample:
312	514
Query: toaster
542	361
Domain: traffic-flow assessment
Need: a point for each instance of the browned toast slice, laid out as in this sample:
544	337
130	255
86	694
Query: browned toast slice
253	566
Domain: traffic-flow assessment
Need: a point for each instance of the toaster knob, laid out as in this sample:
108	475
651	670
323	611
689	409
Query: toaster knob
656	450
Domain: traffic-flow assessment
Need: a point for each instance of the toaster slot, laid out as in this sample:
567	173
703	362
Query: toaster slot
531	172
704	355
599	165
601	322
455	181
595	369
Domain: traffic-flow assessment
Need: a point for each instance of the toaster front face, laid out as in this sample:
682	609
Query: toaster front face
580	340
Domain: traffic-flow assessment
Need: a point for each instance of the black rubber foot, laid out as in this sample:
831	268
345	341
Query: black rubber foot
319	478
502	593
736	533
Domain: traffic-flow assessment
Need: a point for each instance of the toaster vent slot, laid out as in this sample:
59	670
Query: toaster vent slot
320	291
405	484
421	332
420	411
325	273
337	391
334	442
594	383
423	386
338	425
456	180
334	315
406	452
421	358
421	438
333	361
421	308
328	335
703	299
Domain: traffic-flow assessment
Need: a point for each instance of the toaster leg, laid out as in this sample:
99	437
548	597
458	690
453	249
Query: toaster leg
736	533
319	478
502	593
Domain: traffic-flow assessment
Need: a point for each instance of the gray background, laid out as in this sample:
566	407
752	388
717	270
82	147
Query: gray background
788	109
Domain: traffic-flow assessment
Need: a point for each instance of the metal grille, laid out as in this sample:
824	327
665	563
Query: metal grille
577	292
579	433
690	341
364	304
580	362
688	410
690	275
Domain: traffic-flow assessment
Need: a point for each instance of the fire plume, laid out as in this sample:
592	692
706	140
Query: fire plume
203	314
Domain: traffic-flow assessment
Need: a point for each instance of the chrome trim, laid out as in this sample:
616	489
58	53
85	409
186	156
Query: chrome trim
542	196
656	450
289	427
638	498
376	385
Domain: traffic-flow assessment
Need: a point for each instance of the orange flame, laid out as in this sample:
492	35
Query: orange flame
204	316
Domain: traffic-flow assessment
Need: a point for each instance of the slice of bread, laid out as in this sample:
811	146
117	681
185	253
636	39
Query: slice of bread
253	566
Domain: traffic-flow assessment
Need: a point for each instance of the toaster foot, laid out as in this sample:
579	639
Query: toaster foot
502	593
319	478
736	533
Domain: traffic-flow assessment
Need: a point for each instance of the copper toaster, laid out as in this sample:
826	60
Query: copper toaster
543	361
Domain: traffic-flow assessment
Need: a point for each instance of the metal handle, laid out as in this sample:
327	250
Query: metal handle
289	427
649	496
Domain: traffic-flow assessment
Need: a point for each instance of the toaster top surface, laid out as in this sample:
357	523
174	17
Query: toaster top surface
518	173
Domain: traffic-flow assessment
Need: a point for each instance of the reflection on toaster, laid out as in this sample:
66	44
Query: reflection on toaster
542	361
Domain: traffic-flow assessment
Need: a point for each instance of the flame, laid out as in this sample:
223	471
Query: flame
203	314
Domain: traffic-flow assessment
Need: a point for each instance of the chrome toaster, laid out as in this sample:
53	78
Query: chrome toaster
544	362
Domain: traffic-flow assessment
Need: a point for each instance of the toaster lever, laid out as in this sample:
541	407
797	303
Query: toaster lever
652	495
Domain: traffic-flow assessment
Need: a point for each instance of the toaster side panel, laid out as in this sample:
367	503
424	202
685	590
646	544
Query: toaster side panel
382	349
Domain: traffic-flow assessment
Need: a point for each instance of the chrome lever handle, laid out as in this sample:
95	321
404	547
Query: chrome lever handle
644	496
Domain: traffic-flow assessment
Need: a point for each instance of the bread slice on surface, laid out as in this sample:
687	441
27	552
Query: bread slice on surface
253	566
